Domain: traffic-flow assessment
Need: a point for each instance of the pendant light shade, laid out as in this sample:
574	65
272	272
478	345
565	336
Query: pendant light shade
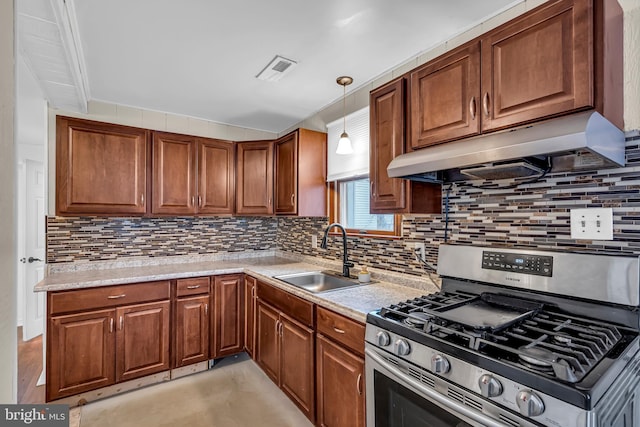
344	144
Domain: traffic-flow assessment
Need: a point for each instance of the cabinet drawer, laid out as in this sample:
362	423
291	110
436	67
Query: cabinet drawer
195	286
342	329
107	296
295	307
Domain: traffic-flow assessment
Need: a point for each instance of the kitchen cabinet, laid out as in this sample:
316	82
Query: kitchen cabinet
191	321
387	141
192	175
250	300
301	173
545	63
339	370
228	315
101	336
254	178
101	168
445	95
285	344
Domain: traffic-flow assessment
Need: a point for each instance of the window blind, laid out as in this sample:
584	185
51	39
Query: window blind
344	166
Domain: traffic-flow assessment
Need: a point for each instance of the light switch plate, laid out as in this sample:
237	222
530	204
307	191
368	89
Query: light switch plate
592	224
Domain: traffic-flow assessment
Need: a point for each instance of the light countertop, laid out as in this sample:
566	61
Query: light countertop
354	302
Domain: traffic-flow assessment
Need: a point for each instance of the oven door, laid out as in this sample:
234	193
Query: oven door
395	399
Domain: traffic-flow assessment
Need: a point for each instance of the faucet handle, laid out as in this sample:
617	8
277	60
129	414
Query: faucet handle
349	264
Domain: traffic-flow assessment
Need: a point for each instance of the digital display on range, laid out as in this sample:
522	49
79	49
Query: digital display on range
518	263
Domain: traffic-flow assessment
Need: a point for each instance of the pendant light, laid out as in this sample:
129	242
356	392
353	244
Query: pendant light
344	144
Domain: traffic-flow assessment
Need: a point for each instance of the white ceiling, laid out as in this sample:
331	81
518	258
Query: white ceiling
200	57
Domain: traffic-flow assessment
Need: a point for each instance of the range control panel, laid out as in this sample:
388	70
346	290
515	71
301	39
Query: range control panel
518	263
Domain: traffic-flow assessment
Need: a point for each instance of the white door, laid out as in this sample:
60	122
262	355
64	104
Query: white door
34	247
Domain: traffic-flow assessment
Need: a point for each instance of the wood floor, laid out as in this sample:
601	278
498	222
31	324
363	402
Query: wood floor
29	369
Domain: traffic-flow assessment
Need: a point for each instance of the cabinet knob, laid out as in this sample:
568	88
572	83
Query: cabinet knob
472	108
485	103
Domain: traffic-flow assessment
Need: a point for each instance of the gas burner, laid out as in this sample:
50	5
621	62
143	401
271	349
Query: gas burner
417	319
537	357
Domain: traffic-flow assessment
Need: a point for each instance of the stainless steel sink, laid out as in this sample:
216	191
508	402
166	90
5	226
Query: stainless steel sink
317	281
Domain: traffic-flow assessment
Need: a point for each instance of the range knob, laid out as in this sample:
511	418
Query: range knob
529	403
383	338
440	364
489	386
402	347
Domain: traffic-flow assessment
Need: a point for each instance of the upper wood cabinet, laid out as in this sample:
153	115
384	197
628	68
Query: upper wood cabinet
301	173
192	175
100	168
254	178
562	57
444	97
387	141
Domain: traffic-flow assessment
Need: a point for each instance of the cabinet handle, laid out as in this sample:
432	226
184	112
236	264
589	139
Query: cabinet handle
485	103
293	196
472	108
373	193
116	296
142	199
111	325
193	286
253	292
206	309
193	200
121	322
199	201
281	328
277	327
359	384
338	330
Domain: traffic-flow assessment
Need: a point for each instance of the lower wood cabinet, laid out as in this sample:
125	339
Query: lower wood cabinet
228	315
250	300
100	336
285	345
191	321
339	371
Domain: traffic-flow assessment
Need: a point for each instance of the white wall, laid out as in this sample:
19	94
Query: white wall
155	120
359	98
8	356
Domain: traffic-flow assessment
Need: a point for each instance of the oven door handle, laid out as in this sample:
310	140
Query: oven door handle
432	395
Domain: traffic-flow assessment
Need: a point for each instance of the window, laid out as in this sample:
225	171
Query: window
348	181
354	208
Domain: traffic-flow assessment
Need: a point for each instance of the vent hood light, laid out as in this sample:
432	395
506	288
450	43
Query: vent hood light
582	141
276	69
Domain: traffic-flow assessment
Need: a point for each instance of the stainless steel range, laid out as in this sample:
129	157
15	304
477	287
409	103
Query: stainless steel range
514	338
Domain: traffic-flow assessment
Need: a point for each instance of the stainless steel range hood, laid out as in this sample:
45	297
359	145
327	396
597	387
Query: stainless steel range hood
582	141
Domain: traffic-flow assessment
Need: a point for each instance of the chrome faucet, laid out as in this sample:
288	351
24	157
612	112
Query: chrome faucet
345	258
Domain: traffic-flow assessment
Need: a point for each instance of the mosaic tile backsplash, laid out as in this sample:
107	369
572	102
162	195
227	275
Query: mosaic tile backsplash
535	215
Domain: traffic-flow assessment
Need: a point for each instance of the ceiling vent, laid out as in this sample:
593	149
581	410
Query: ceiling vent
276	69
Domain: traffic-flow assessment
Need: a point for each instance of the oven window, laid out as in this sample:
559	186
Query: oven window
397	406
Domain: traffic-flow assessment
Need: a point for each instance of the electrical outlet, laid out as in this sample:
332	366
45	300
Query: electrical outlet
314	242
419	248
592	224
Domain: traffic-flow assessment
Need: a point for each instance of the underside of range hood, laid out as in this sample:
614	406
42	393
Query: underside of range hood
582	141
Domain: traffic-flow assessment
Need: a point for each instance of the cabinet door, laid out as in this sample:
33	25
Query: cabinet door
100	168
539	65
445	97
216	176
249	315
174	174
142	340
80	353
192	330
340	376
268	340
286	175
254	185
297	375
228	337
386	142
